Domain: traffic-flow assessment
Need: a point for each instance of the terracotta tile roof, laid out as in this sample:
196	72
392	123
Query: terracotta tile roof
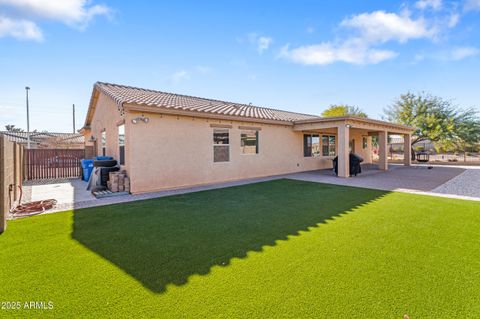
122	94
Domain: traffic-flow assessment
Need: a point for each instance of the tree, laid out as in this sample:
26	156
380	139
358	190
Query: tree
12	128
343	110
434	119
466	135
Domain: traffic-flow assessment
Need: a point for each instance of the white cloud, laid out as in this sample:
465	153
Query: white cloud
453	20
370	30
425	4
26	13
381	26
72	12
20	29
261	43
463	53
179	76
472	5
353	51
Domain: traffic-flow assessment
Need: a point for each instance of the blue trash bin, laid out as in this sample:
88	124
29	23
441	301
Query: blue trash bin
87	166
103	158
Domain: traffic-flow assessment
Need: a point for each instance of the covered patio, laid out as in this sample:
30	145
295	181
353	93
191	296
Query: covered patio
354	135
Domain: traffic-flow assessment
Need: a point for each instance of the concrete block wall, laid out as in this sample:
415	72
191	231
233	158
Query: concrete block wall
11	176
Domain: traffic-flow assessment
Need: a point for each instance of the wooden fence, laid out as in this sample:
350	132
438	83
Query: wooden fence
52	163
11	176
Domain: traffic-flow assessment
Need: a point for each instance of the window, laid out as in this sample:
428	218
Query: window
121	144
328	145
104	142
221	145
365	142
311	145
249	142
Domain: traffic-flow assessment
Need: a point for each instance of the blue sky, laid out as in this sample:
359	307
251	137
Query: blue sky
294	55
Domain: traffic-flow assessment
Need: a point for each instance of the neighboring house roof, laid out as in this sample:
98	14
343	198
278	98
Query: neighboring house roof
44	137
399	140
123	94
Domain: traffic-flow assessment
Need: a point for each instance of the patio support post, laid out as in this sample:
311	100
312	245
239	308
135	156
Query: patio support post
382	152
343	153
407	150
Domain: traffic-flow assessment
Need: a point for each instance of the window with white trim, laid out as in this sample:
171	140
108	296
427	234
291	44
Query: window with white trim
311	145
249	142
104	142
121	144
221	145
328	145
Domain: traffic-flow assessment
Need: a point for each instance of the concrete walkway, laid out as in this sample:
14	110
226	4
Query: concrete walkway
72	194
443	181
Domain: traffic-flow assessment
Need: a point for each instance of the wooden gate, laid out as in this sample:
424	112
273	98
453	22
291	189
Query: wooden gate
52	163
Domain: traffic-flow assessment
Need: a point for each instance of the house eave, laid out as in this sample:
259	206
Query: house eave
132	107
364	123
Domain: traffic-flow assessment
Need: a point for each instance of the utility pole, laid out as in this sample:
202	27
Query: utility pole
28	120
73	118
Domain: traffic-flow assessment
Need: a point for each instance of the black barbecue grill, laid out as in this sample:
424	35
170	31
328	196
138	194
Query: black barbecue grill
355	167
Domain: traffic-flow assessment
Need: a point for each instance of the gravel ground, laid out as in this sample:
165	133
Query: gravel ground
465	184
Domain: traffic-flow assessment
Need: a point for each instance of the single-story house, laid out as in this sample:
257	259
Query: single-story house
46	139
166	140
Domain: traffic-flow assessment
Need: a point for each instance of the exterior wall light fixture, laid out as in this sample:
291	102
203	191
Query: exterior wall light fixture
140	118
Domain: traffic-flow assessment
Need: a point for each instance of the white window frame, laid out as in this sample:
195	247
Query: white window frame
103	142
119	144
329	145
257	146
221	130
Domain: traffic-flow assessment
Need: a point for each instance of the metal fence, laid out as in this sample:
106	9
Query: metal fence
52	163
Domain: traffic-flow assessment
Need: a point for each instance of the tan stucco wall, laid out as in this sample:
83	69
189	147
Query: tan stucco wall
357	136
172	152
106	117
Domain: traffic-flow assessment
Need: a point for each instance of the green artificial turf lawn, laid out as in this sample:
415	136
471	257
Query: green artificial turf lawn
275	249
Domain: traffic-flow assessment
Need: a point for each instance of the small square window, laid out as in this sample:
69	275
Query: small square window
249	142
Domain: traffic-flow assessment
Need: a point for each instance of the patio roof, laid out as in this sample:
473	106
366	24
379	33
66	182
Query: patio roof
354	122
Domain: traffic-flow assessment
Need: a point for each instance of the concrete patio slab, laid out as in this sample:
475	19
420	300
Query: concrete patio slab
445	181
65	191
398	177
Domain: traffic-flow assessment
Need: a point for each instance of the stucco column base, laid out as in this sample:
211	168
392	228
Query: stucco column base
382	152
343	153
407	150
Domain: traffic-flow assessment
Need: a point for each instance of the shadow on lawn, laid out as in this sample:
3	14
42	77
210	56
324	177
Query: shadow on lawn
166	240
